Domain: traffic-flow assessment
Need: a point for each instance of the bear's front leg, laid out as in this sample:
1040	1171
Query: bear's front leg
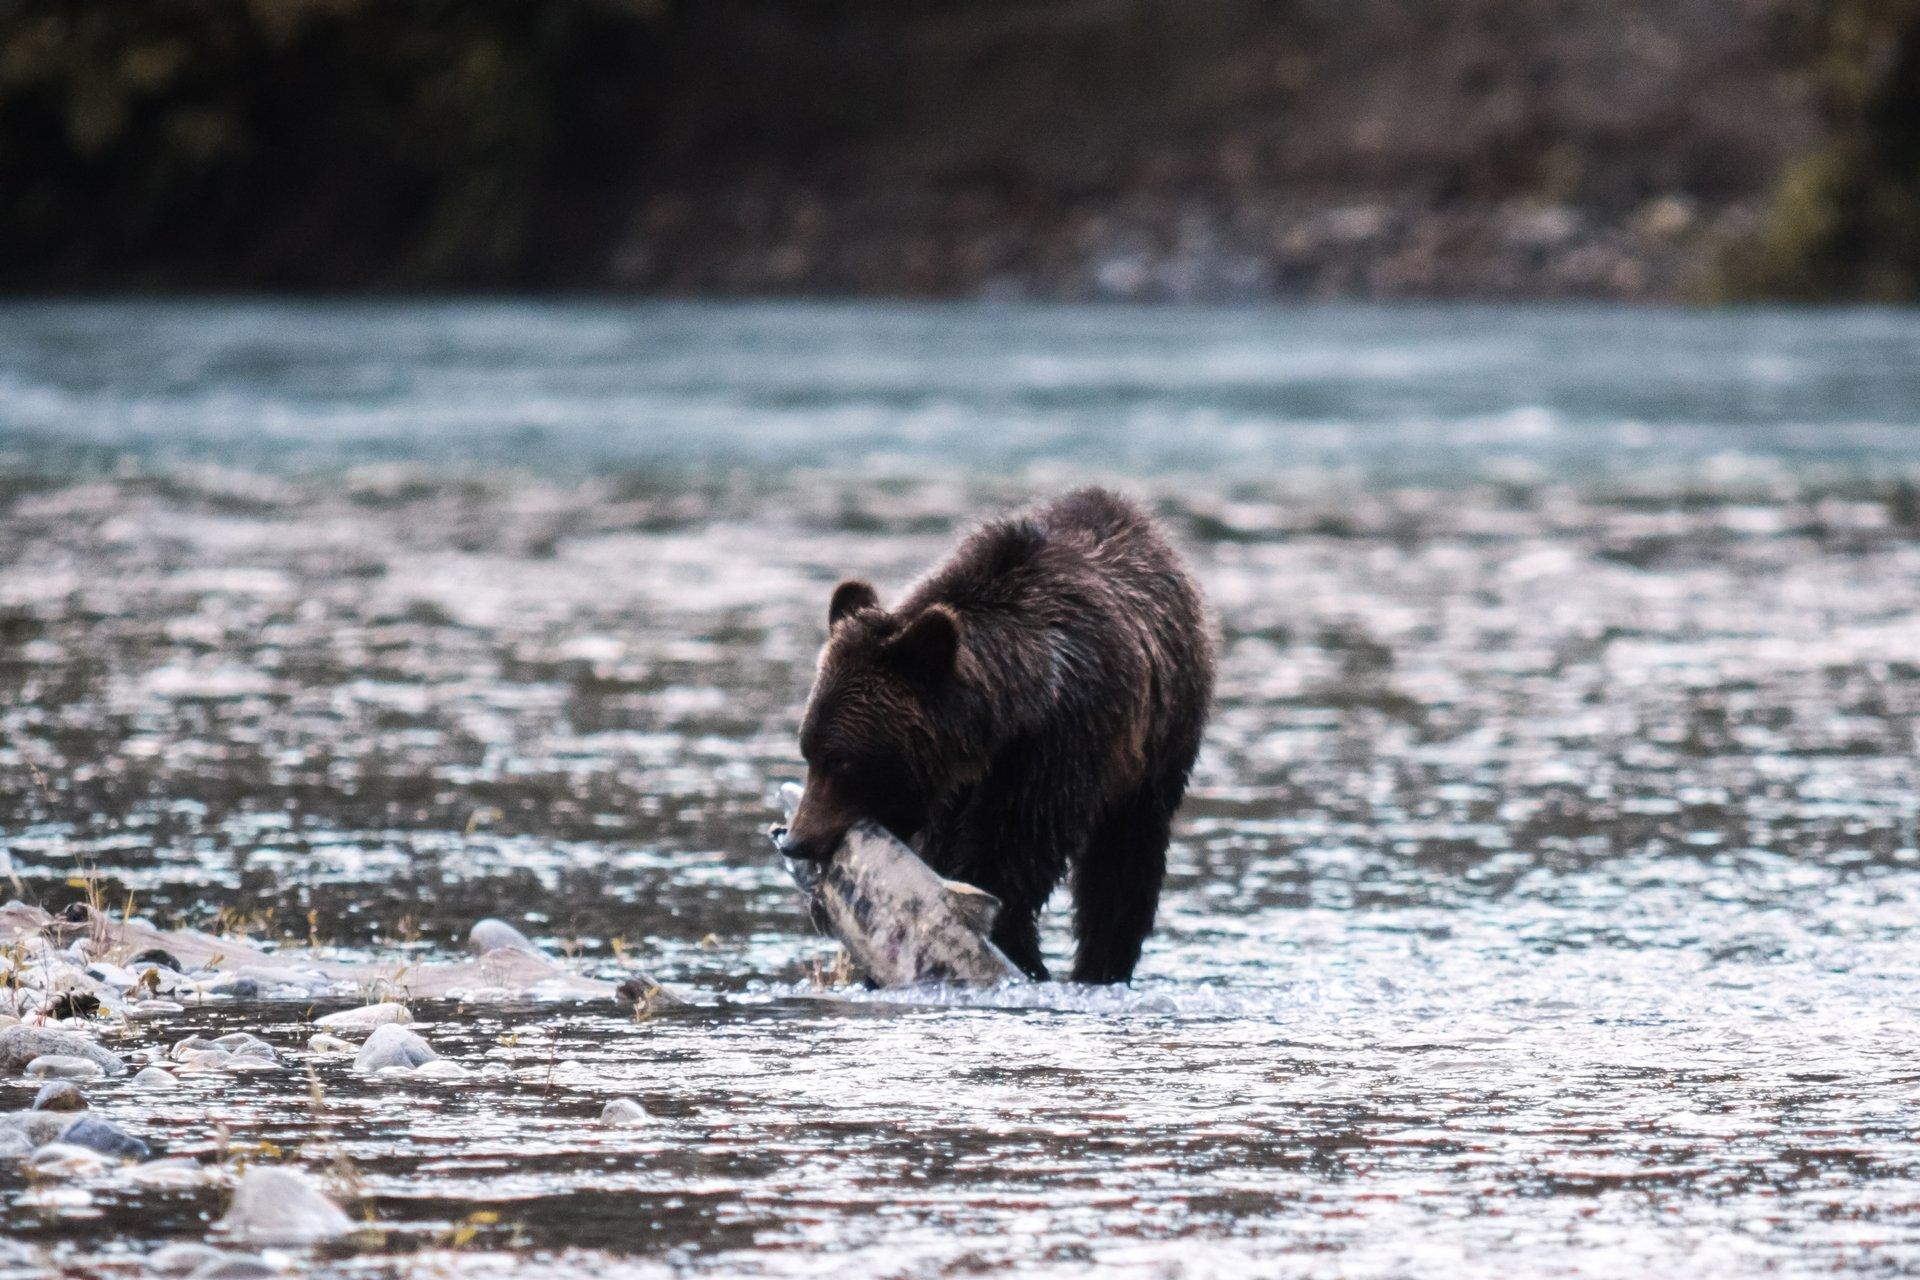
989	840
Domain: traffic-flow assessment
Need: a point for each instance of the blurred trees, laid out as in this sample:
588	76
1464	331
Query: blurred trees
313	143
1060	147
1845	219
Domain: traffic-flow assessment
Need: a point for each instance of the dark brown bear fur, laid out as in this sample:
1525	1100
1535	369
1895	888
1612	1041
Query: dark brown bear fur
1033	705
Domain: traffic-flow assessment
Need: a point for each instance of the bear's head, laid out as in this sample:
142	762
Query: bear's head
883	735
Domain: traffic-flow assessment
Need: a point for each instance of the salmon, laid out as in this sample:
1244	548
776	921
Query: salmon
902	925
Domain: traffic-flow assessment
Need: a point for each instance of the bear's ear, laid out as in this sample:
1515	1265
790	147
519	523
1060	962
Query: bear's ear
849	598
927	648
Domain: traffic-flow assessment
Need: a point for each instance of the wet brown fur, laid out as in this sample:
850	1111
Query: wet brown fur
1032	706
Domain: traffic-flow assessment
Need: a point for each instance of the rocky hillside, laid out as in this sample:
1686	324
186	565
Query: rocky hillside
1061	148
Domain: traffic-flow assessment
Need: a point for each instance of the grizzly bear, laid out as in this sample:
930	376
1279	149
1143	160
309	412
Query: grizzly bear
1032	705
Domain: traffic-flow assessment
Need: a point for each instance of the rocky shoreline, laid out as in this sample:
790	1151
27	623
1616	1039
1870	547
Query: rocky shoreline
1171	248
91	1029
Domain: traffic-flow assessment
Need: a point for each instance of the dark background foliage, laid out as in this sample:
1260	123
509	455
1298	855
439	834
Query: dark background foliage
1186	148
316	142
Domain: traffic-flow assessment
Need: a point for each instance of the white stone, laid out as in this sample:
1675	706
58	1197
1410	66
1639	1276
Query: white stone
367	1017
67	1160
182	1259
55	1066
153	1008
623	1113
178	1172
441	1069
392	1046
495	935
280	1206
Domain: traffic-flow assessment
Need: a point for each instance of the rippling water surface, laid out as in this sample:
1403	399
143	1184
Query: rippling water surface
1547	901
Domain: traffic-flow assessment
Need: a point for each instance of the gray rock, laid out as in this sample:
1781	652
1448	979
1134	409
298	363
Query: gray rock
392	1046
494	935
20	1045
14	1144
245	1042
275	1205
155	956
237	1266
58	1066
107	1138
623	1113
60	1095
153	1078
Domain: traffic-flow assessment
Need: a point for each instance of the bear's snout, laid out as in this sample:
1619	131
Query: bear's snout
818	825
804	850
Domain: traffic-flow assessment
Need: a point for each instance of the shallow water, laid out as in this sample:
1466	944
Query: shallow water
1547	900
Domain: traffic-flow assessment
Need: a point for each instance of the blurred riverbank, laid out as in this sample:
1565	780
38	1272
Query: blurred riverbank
1060	149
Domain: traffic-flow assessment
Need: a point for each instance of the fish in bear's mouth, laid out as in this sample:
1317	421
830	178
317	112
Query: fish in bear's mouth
901	924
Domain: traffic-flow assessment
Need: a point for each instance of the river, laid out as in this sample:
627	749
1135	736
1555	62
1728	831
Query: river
1547	901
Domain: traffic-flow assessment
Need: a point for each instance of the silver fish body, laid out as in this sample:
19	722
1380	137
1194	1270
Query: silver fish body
902	925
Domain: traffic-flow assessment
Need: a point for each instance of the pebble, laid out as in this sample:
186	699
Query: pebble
182	1259
153	1078
248	1043
623	1113
324	1043
105	1137
73	1004
248	1054
20	1045
66	1160
203	1059
441	1069
279	1206
636	990
495	935
54	1066
153	1008
238	1266
40	1127
60	1095
112	975
392	1046
367	1017
156	956
173	1174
